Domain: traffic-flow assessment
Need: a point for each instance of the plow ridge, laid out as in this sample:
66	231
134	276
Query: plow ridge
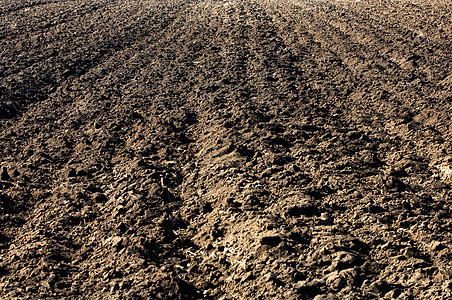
225	149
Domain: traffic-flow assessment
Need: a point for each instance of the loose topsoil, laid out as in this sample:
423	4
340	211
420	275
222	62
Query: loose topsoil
225	149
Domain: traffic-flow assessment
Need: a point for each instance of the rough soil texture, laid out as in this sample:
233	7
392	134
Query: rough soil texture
225	149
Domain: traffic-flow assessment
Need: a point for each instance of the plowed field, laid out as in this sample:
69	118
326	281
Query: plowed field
225	149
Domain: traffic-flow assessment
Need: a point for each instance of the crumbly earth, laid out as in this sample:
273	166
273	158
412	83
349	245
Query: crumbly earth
225	149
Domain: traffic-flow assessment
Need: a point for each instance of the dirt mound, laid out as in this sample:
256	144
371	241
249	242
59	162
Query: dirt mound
225	149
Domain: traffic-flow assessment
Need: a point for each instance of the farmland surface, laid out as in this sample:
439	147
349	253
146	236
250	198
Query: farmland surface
225	149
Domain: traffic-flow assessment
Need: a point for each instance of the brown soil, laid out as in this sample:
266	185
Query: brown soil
225	149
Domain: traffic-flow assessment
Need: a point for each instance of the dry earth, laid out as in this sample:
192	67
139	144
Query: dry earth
225	149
